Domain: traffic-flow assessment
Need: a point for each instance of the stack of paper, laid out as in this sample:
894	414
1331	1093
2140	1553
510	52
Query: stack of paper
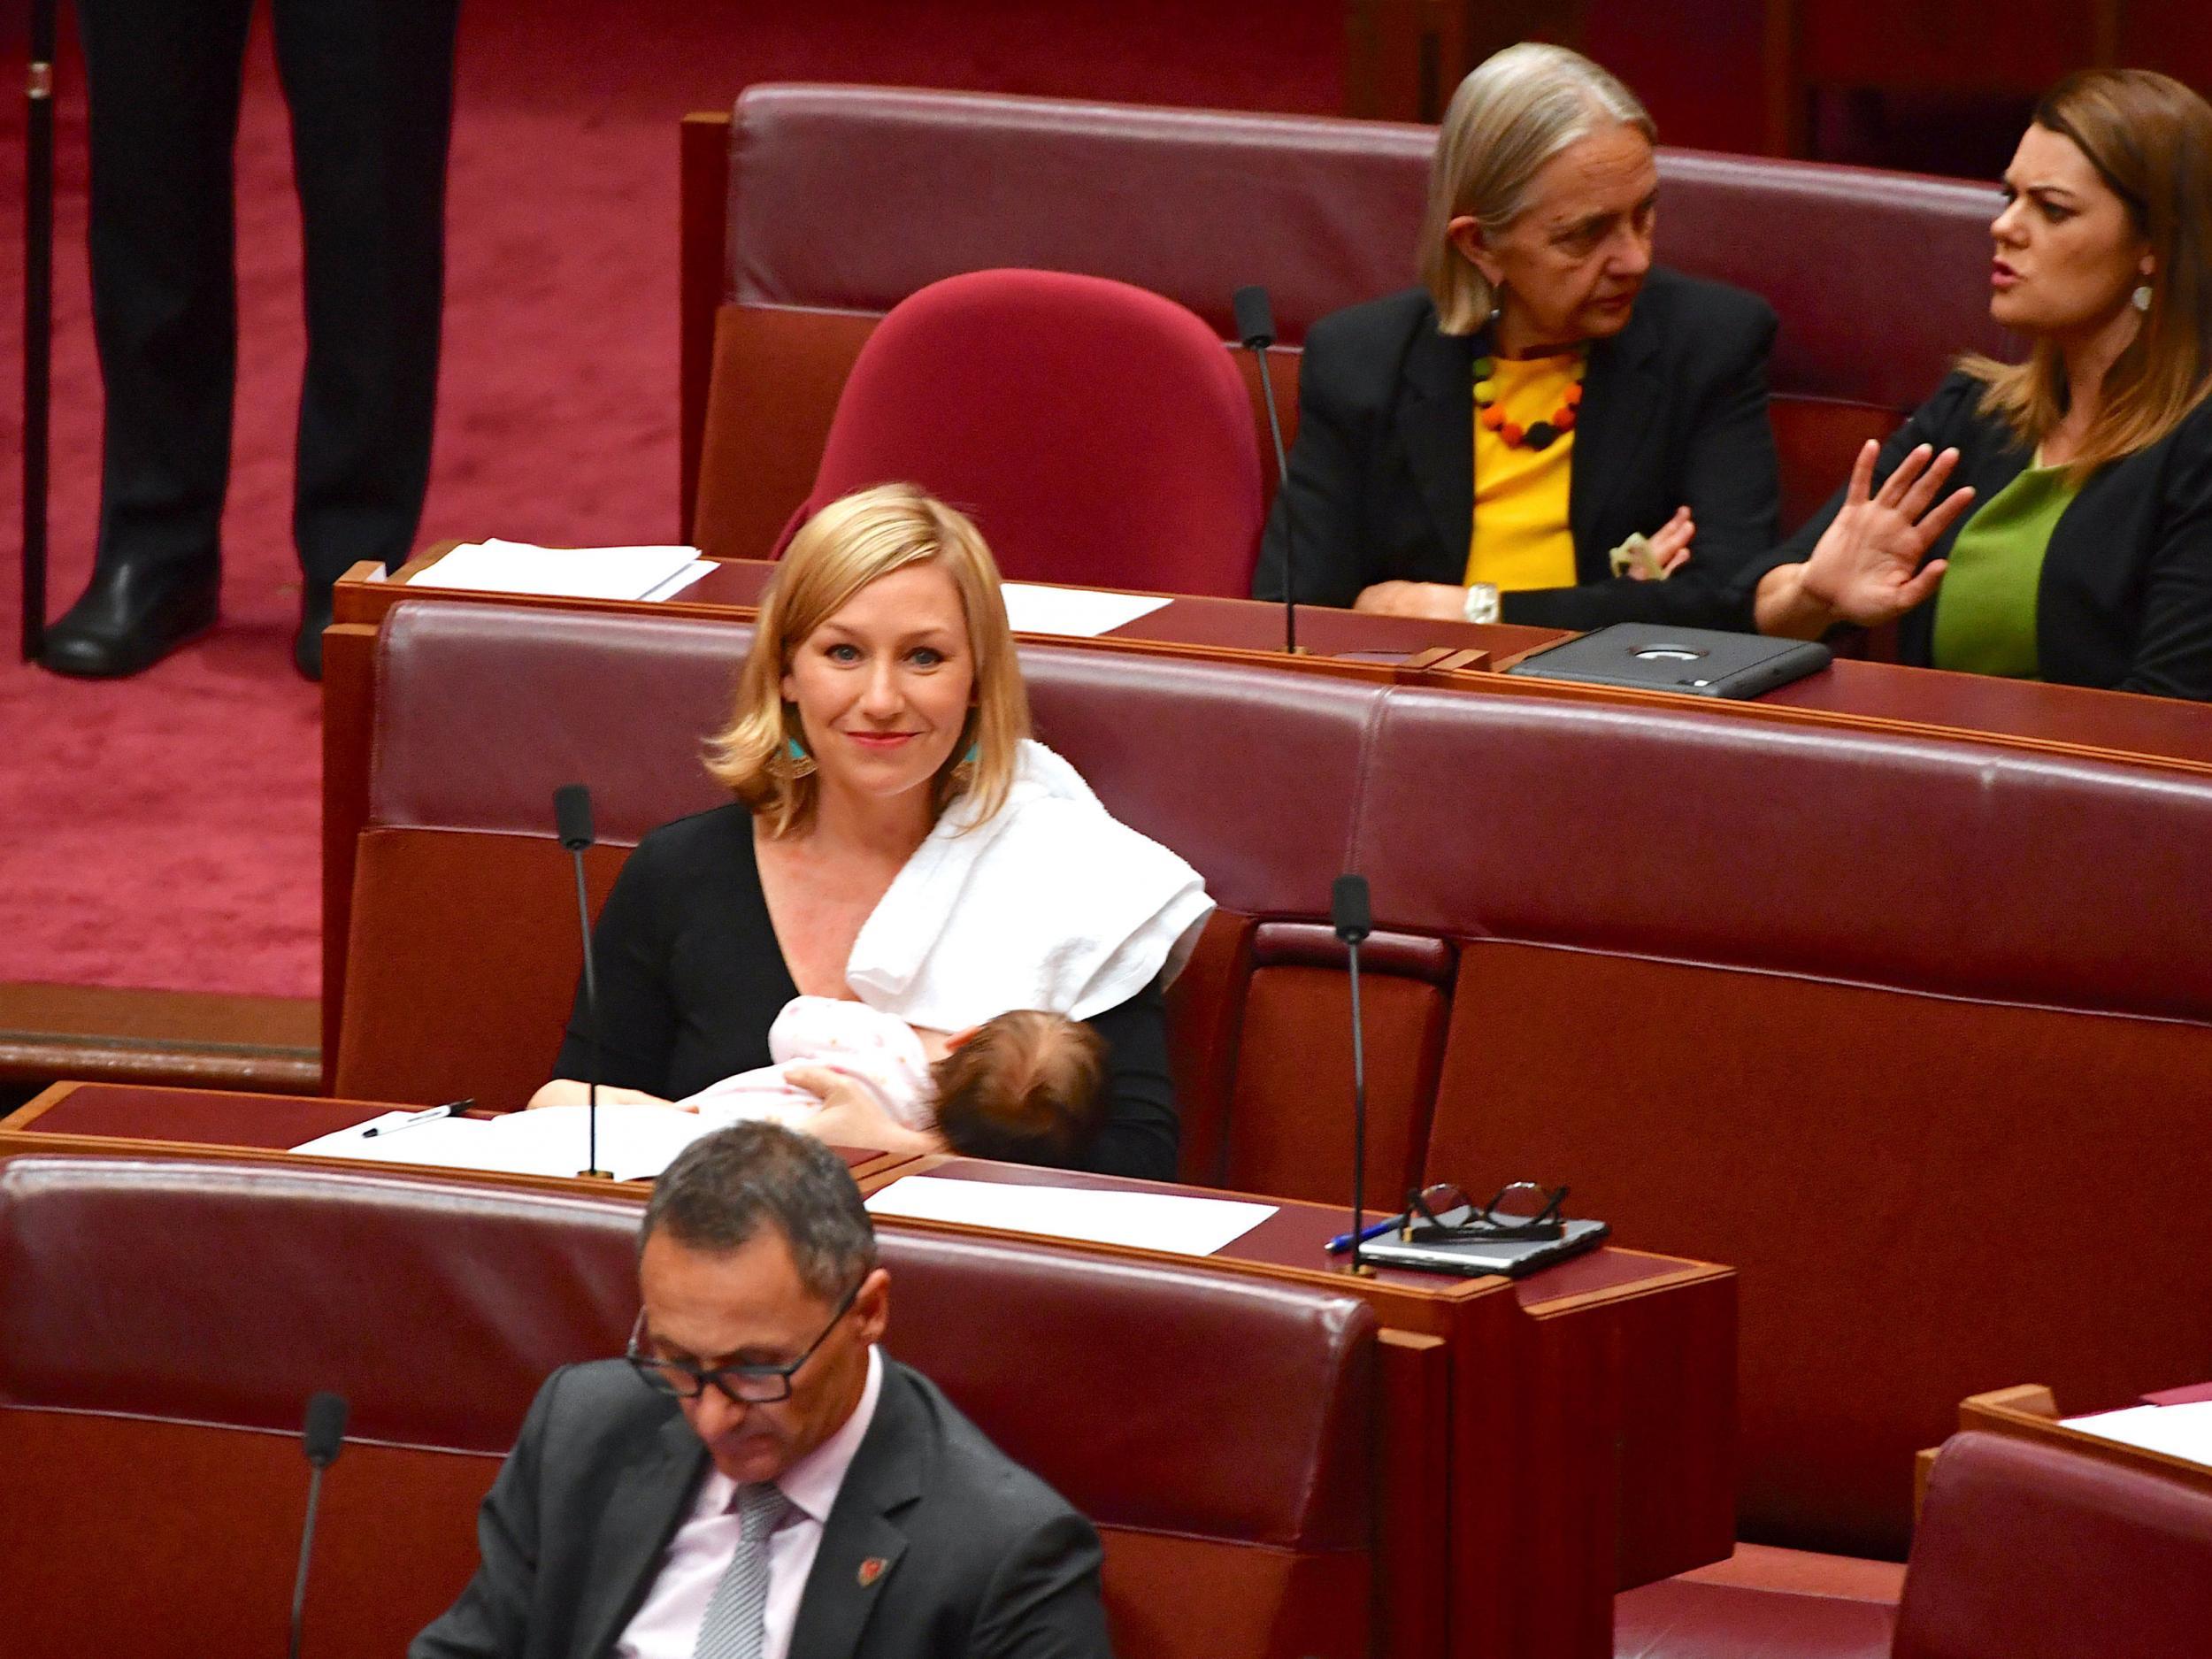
590	572
635	1142
2183	1431
1151	1221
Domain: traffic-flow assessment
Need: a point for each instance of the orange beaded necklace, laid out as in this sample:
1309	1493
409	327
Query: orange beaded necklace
1539	434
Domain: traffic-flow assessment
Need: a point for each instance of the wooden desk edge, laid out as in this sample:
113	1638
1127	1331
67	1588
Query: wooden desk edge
1691	1272
2031	1412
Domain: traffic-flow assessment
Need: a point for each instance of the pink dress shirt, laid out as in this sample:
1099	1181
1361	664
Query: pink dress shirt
668	1622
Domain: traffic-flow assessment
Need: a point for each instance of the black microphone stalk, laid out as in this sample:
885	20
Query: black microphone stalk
1255	327
326	1434
1351	914
571	818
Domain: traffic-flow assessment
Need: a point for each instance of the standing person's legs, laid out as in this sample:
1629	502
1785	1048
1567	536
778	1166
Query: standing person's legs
370	83
162	78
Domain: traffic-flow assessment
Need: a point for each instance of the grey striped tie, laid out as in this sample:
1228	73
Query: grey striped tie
735	1626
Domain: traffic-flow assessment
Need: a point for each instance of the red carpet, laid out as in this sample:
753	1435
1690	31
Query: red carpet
164	831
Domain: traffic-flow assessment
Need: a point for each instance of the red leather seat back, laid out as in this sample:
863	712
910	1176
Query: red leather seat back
149	1400
843	201
2034	1551
1098	433
1290	1117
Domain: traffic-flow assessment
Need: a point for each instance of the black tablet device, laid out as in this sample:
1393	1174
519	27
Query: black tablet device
1703	661
1472	1258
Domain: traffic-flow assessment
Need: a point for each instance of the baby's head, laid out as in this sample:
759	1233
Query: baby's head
1027	1087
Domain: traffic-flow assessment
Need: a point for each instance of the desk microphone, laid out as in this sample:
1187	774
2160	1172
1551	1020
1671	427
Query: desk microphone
1255	328
571	818
1350	913
326	1433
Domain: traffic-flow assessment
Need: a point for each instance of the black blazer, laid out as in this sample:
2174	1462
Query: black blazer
1674	410
982	1557
2125	598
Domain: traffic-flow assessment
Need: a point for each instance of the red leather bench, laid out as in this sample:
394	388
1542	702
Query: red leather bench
1854	1013
164	1323
811	210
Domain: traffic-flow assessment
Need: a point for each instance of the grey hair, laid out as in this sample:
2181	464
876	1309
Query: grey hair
1514	112
722	1187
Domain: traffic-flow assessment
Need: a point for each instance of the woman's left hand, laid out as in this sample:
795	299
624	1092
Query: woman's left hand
1438	601
850	1116
1668	547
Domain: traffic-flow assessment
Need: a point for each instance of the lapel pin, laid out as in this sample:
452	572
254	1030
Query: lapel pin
870	1570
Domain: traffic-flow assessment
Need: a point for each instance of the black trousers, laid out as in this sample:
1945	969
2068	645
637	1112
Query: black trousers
370	87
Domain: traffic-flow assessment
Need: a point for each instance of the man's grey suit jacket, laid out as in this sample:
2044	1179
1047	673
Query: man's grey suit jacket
979	1557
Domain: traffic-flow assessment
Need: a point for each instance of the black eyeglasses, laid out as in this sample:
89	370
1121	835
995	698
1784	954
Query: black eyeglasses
1518	1211
740	1385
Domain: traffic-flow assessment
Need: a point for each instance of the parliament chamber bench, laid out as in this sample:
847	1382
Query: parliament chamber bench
1855	1012
1542	1442
809	212
167	1320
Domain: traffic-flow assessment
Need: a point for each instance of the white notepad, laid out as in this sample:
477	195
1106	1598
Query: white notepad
2182	1430
1151	1221
590	572
1082	613
635	1142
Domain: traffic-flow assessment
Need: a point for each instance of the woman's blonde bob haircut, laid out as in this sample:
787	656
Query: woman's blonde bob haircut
2150	139
853	541
1514	112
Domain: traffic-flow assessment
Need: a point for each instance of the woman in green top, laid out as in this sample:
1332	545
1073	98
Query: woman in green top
2079	548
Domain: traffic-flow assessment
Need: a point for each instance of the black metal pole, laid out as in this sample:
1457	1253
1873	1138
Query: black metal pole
38	320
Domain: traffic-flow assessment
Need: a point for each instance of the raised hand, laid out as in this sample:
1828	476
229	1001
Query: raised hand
1866	566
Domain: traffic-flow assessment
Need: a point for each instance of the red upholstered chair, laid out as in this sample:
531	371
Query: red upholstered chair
2027	1550
1099	434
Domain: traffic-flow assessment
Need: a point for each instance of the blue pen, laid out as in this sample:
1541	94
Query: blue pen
1343	1241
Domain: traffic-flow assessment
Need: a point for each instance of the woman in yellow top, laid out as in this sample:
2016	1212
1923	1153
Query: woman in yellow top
2086	555
1491	445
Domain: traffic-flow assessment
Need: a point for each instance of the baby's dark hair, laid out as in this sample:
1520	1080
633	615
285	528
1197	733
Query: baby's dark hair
1027	1087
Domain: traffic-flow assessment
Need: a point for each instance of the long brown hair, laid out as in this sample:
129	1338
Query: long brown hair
2150	139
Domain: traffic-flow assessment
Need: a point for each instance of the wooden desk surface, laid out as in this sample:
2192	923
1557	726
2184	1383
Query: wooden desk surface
182	1121
1885	695
1585	1443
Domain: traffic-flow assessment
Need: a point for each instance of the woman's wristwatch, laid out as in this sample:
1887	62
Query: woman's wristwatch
1482	603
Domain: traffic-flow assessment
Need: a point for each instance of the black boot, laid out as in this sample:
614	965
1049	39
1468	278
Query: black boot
130	617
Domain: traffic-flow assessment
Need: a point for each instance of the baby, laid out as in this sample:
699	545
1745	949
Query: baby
1026	1087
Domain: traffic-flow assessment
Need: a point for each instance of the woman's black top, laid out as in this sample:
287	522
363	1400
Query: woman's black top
691	977
2125	600
1381	485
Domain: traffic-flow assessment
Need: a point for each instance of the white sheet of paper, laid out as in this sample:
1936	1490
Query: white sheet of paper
592	572
635	1142
2183	1431
1082	613
1151	1221
681	581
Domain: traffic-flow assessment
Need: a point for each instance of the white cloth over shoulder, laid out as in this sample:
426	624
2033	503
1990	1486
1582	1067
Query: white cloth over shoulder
1051	905
880	1051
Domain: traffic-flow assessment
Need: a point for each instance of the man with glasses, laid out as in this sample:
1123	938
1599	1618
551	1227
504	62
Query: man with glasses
755	1480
